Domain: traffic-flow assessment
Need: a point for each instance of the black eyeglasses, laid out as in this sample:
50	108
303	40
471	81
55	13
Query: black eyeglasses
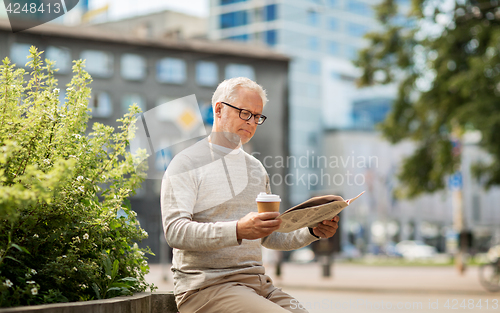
247	115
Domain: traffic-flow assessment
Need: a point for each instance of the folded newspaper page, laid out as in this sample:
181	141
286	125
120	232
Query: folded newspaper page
311	212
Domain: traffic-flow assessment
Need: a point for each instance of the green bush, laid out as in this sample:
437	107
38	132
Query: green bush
67	232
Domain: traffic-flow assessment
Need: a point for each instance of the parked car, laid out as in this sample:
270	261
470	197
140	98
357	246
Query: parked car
414	249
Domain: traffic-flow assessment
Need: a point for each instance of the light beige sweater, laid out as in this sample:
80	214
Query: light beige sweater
204	193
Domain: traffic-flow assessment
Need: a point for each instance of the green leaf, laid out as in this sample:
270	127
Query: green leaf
18	247
97	291
11	258
115	268
129	279
107	266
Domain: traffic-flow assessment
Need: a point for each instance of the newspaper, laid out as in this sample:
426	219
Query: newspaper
311	212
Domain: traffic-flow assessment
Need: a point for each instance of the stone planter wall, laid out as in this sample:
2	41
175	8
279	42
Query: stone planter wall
147	302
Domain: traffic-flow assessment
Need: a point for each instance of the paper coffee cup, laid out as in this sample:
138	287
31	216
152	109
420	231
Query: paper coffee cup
268	202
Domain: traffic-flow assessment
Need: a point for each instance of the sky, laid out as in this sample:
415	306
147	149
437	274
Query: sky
124	8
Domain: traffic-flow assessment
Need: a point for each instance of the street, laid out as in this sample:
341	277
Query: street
361	288
357	302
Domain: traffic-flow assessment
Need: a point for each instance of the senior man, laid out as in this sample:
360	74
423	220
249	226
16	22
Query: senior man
209	214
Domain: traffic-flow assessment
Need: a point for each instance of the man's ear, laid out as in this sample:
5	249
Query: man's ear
218	109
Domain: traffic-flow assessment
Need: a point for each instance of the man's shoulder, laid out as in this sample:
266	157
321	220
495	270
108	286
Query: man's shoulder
189	158
253	160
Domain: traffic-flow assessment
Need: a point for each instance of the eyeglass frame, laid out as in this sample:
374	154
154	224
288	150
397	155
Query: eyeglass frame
251	114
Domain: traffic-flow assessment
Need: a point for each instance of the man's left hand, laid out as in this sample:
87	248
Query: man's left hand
327	228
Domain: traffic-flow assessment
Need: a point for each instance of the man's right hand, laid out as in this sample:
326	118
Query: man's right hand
257	225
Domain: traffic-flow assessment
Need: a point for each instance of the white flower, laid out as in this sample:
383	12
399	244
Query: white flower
46	161
33	272
77	136
71	156
86	236
30	282
64	256
56	90
8	283
81	188
35	235
109	277
27	275
34	291
79	178
84	286
75	269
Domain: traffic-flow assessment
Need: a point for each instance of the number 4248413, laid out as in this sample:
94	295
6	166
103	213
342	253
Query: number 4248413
471	304
15	8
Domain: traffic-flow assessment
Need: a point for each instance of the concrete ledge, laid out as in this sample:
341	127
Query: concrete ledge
147	302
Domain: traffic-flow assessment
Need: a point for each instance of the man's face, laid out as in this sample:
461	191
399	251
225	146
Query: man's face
229	119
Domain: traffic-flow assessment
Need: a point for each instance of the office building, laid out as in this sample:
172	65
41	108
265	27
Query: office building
321	37
127	70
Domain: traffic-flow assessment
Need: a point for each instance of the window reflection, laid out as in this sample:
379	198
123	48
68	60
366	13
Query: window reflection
239	70
19	53
98	63
62	56
207	73
171	70
101	104
133	67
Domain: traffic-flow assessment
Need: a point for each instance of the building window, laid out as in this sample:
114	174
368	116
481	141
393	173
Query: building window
367	113
359	8
129	100
62	57
270	12
239	70
333	23
243	37
333	48
171	70
357	30
233	19
101	105
133	67
271	37
98	63
313	43
313	18
224	2
19	53
207	73
314	67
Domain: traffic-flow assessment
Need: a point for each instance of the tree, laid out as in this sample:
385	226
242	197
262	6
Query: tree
444	56
67	231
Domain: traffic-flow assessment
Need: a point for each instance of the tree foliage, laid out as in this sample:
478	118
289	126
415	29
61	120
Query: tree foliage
444	56
67	231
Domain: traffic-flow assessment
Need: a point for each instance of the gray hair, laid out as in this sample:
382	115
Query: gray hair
227	90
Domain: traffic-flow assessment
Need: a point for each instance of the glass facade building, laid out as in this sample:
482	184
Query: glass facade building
321	37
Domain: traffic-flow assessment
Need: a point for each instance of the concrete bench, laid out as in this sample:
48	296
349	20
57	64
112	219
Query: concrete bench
147	302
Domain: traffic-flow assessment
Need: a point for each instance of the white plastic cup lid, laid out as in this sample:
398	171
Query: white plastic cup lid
265	197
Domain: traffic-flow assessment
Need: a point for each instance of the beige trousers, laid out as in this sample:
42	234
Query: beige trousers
238	293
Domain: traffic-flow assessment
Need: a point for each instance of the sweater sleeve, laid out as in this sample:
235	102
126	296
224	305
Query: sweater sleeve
289	241
178	198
